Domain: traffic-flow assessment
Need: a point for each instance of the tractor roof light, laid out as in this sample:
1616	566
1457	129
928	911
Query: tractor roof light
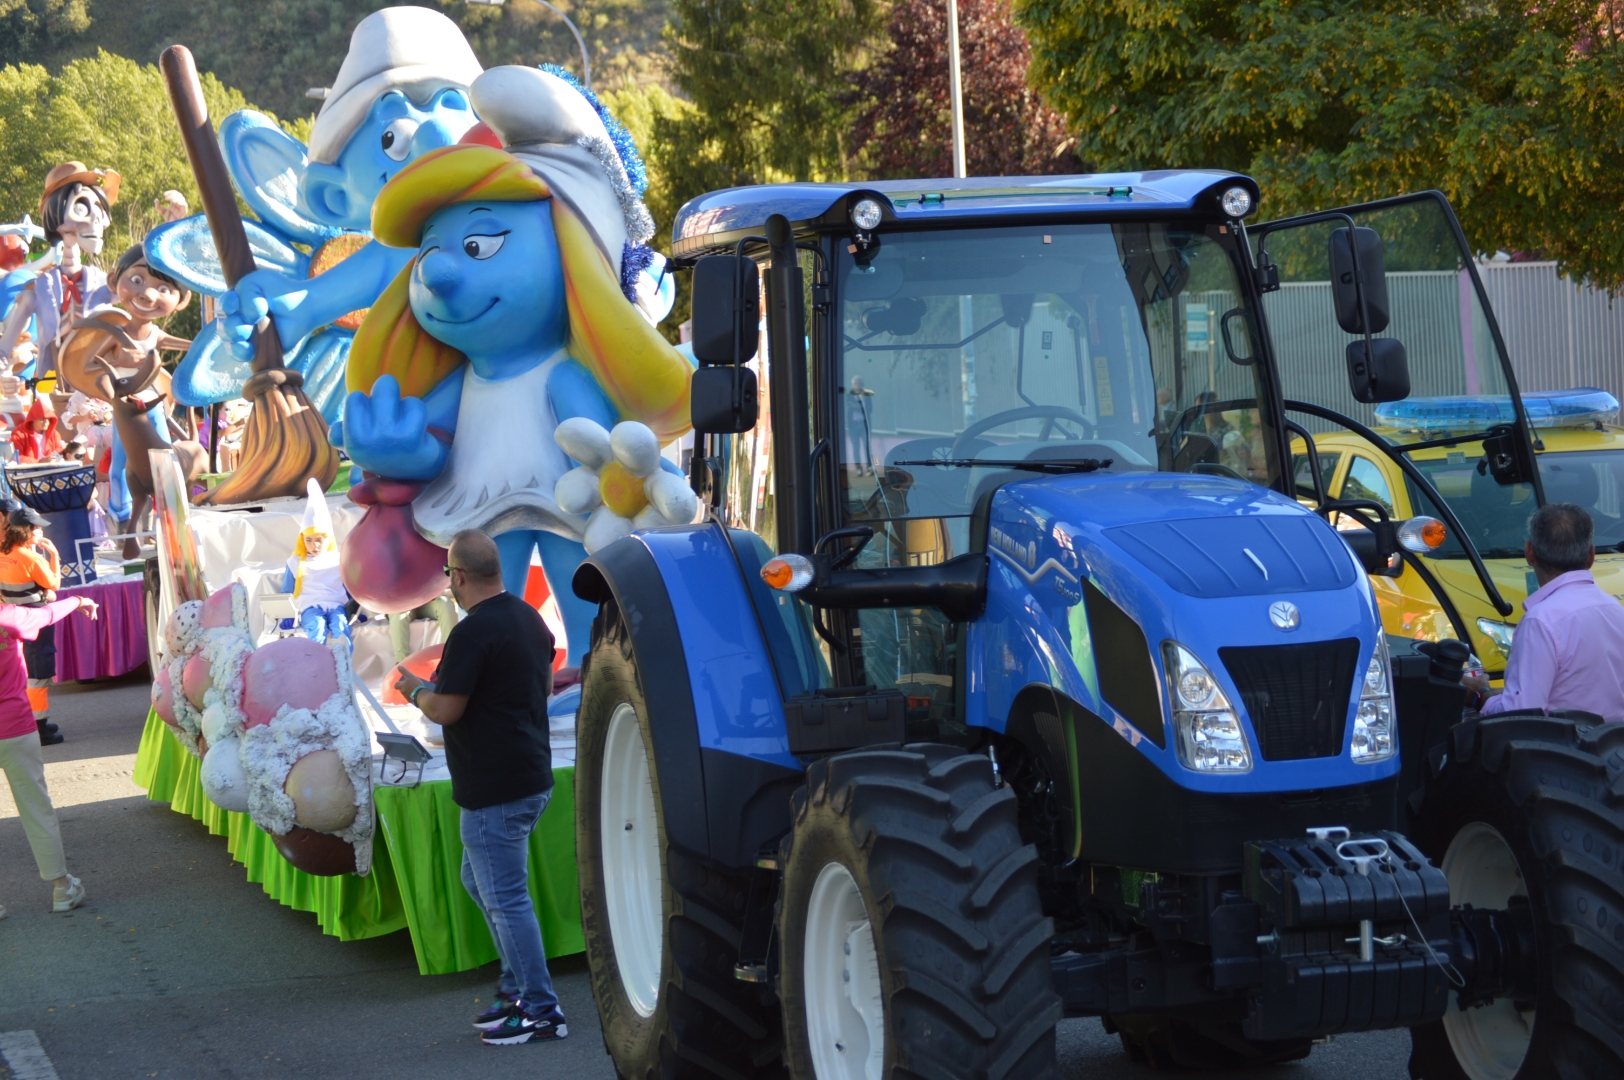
866	215
1210	736
787	573
1422	535
1374	737
1237	202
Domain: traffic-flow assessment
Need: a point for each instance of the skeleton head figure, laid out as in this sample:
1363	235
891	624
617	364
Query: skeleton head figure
76	206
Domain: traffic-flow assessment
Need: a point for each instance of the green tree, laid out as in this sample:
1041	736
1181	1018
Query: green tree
1511	109
771	86
275	50
110	113
33	24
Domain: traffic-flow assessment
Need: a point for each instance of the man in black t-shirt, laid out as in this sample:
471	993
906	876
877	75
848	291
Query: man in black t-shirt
490	695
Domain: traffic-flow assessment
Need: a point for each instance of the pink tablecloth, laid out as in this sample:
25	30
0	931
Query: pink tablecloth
114	643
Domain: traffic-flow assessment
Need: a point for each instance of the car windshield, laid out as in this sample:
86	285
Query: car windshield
1496	515
1116	343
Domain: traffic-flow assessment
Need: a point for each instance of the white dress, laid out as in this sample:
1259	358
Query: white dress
503	463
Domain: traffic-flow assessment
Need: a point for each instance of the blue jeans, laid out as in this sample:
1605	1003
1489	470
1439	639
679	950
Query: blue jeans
495	853
319	622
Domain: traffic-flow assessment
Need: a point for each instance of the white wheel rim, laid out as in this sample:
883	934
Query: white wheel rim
845	1008
1490	1042
631	861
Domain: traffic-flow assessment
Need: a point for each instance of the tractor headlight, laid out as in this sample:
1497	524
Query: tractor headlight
1210	736
1237	202
1501	633
1373	738
866	215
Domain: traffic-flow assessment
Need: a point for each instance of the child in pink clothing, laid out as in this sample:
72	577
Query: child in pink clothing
20	755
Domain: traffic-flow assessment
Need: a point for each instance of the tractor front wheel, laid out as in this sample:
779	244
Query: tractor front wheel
913	941
661	925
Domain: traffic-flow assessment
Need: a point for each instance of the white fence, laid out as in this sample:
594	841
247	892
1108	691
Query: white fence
1558	333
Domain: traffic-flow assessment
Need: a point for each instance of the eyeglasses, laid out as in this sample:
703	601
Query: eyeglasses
447	569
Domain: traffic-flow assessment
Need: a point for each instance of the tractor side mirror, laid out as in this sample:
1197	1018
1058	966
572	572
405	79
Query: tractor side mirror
1379	373
726	314
726	309
713	406
1372	274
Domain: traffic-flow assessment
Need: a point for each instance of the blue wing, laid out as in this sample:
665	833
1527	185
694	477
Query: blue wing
320	358
266	165
184	250
209	373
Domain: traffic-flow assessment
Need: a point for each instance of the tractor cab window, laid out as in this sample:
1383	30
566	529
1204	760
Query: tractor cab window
1125	344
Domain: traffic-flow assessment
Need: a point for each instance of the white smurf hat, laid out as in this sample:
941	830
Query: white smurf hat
410	49
553	128
316	514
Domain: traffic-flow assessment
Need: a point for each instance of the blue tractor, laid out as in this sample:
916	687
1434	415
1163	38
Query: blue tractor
1019	673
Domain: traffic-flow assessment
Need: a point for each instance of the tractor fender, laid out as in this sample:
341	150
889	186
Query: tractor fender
716	713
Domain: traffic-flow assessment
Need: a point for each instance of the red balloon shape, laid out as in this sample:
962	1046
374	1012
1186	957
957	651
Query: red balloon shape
291	671
386	565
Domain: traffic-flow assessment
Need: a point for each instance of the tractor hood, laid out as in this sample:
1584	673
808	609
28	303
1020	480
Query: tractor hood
1090	575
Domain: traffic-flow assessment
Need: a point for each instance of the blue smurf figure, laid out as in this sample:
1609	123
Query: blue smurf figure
491	371
401	91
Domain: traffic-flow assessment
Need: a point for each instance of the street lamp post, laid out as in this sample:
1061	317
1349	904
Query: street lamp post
957	89
586	62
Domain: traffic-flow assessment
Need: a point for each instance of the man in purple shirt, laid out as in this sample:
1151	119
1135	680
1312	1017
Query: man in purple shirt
1569	648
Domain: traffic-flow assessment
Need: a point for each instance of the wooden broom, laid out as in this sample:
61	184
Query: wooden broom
285	440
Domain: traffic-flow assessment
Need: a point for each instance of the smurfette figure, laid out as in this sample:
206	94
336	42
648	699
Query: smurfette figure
312	573
515	316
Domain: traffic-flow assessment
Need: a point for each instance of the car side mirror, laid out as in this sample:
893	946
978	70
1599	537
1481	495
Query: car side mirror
1372	278
1379	373
726	309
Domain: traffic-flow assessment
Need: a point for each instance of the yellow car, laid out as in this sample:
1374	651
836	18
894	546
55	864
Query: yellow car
1580	452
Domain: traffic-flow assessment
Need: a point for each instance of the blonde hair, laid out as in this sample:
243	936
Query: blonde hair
644	377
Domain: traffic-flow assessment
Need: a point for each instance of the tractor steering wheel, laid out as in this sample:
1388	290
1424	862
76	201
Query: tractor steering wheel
1051	413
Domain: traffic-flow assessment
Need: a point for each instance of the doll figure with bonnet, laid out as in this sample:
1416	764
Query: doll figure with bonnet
312	574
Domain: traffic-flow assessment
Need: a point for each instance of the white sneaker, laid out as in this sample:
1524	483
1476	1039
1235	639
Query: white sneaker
69	898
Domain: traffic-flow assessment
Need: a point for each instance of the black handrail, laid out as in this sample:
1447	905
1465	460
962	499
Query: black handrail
1419	479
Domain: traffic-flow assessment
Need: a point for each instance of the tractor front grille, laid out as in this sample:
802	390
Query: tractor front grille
1296	695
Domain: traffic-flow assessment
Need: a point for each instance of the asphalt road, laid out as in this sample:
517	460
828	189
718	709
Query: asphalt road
177	966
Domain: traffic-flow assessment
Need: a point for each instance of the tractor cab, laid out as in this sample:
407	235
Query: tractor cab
1009	677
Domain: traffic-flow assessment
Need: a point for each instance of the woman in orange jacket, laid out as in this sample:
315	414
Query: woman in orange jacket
30	574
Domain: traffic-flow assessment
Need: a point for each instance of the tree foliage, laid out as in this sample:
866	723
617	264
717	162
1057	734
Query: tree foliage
275	50
905	125
769	82
1511	109
110	113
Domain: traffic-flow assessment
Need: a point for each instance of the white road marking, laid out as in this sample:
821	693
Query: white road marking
26	1057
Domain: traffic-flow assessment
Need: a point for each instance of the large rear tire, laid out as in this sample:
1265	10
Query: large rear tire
1527	809
913	941
662	927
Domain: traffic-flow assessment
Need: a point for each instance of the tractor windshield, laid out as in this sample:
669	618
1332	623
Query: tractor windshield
1123	343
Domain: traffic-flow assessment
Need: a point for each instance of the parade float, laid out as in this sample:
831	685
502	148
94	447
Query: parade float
494	368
